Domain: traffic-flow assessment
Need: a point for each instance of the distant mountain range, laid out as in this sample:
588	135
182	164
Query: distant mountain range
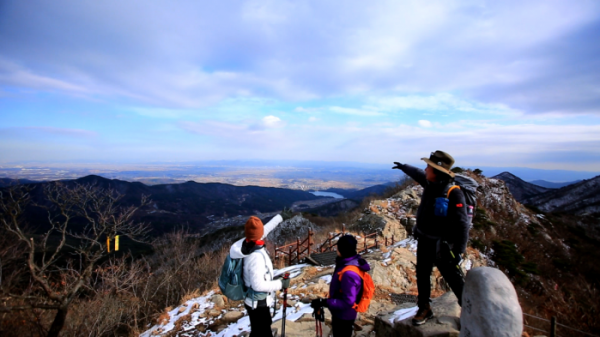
581	197
192	204
549	184
358	195
519	188
8	182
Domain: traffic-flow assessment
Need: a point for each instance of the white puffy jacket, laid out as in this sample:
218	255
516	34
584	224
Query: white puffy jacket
258	268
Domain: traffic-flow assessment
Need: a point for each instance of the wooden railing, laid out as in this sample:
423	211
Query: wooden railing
328	245
366	244
296	251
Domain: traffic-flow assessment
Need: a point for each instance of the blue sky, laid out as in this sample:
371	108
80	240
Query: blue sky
494	83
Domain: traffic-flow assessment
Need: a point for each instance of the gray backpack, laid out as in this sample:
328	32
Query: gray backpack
469	187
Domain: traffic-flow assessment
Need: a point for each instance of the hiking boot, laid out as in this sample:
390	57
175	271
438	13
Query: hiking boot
422	315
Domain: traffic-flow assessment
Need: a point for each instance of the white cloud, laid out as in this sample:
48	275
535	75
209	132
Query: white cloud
355	112
272	122
193	54
12	74
425	123
313	119
442	102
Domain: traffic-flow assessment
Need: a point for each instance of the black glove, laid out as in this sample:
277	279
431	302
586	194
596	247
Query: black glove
285	283
398	166
415	233
318	303
319	314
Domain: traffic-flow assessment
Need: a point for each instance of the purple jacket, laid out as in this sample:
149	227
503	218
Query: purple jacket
344	294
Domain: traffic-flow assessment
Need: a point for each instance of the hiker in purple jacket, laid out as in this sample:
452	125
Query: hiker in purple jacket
345	293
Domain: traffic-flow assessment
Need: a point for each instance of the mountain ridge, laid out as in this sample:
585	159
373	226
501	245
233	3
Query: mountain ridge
519	188
550	184
580	198
191	203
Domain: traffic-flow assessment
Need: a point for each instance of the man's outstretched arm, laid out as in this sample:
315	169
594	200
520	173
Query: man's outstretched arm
417	174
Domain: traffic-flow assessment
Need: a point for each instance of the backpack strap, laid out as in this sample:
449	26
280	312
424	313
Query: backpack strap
351	268
450	190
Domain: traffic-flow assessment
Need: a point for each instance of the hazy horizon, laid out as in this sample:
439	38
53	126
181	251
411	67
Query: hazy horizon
268	169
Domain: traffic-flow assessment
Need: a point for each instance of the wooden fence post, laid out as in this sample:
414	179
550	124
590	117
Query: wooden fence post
290	256
553	327
297	250
310	234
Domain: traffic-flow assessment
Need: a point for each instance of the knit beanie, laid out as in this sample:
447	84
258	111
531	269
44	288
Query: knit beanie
346	245
254	229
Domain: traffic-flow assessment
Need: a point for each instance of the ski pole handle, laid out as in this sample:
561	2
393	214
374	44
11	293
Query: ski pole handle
286	276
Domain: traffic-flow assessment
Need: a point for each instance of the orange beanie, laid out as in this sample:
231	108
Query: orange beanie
254	229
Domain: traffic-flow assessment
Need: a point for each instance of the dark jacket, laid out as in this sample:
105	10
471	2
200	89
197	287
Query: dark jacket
454	227
345	293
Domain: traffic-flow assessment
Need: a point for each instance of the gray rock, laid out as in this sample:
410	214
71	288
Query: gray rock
491	306
232	316
214	312
218	300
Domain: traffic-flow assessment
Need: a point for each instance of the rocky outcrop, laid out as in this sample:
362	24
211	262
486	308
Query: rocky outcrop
394	216
496	197
296	227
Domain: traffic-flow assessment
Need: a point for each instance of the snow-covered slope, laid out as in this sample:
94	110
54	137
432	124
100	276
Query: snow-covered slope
211	314
580	198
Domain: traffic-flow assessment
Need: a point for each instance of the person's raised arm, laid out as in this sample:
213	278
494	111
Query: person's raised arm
269	226
416	174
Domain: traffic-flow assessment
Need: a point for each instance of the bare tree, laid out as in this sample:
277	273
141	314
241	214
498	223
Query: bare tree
61	261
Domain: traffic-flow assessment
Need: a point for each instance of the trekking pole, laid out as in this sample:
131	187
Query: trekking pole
285	277
319	317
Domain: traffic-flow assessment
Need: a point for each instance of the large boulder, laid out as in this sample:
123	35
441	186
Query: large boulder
491	306
296	227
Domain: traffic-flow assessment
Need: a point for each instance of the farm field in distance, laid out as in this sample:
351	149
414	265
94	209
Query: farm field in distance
299	178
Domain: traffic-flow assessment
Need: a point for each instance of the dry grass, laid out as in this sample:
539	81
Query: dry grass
164	317
566	286
190	295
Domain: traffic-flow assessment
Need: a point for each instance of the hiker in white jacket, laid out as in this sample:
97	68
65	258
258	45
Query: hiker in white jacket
258	274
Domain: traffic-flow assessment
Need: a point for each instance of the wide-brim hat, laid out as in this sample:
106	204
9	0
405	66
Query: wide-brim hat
440	161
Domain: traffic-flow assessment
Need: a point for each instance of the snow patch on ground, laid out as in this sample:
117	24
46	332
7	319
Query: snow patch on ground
403	314
327	278
203	302
294	270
